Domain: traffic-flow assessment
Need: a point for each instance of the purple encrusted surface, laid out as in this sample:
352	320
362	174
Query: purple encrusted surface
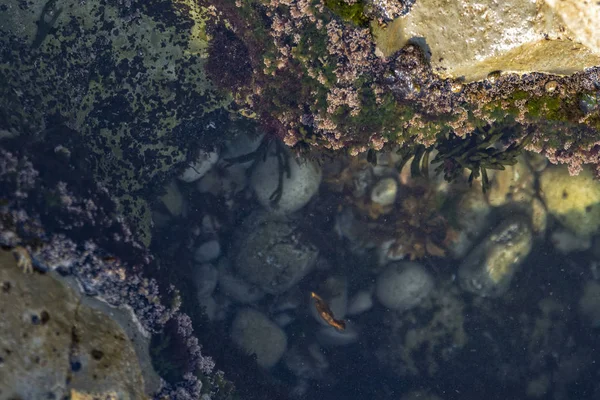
54	237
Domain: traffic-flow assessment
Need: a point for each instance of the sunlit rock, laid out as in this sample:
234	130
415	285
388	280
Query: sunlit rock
573	200
53	344
489	268
284	184
472	39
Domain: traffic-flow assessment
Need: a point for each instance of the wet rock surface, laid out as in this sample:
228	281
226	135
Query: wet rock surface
253	332
273	255
471	39
54	346
488	269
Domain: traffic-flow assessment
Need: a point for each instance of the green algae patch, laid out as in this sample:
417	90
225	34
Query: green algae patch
354	13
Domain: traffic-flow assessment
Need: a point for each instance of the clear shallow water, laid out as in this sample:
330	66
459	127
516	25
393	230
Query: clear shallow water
532	338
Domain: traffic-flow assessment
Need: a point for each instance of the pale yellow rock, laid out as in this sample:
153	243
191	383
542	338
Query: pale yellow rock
582	18
573	200
470	39
54	345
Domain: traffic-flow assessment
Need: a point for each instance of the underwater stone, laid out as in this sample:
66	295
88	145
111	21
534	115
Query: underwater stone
273	255
360	302
403	285
573	200
331	337
205	277
489	268
256	334
298	188
235	287
200	166
208	251
384	192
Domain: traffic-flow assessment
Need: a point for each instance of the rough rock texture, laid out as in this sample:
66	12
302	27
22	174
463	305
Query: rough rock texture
53	345
471	39
573	200
489	268
129	80
273	255
581	18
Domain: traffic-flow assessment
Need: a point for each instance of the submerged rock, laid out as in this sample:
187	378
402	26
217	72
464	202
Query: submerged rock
54	345
573	200
273	255
200	166
256	334
300	181
489	268
403	285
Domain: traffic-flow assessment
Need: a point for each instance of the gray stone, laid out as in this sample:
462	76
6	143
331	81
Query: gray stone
208	251
200	166
256	334
205	278
403	285
273	255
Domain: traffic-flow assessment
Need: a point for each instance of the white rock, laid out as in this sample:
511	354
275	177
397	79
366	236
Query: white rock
298	188
205	278
208	251
360	302
196	169
403	285
256	334
283	319
384	192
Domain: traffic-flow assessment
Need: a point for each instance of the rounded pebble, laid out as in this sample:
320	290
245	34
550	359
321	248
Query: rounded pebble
403	285
300	183
256	334
384	192
208	251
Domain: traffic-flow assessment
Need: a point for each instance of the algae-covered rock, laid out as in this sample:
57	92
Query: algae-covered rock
129	80
573	200
54	345
489	268
273	255
472	39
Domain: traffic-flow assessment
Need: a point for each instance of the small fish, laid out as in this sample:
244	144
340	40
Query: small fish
325	313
